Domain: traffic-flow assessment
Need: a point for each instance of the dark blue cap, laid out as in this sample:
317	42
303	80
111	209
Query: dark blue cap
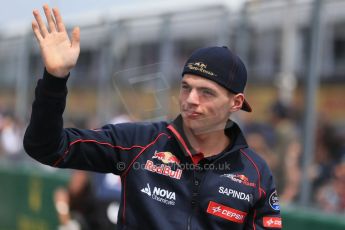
220	65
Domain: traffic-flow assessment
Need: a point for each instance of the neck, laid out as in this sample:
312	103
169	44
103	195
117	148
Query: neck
208	143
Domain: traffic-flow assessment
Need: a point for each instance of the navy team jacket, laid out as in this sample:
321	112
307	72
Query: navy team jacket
165	183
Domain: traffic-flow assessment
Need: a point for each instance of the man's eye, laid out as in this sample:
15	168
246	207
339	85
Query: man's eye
207	92
185	87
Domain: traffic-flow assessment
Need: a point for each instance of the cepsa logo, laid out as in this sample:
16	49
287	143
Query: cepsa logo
164	169
239	178
272	222
225	212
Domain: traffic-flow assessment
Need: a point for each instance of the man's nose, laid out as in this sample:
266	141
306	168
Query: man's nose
193	97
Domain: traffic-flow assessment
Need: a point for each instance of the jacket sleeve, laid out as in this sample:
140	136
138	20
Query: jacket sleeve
48	142
266	213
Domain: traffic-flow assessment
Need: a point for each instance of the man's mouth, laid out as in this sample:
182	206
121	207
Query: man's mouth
192	114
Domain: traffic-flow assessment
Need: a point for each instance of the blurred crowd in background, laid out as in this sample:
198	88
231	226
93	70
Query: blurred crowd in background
280	143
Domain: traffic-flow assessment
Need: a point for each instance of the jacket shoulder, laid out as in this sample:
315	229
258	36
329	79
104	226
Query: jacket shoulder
260	166
136	132
254	156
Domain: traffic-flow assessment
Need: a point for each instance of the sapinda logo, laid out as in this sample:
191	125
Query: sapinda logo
235	194
161	195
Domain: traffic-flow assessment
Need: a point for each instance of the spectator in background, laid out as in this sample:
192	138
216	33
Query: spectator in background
1	127
327	152
76	205
107	187
11	135
331	196
288	149
260	144
91	200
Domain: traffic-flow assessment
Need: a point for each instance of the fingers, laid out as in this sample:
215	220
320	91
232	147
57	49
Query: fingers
75	38
50	19
36	31
53	24
59	23
42	27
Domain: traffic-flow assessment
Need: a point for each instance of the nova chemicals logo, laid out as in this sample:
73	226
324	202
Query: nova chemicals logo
161	195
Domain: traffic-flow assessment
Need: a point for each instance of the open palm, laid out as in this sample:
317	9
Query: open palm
59	53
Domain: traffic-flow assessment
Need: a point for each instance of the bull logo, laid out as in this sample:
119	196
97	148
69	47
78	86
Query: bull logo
166	157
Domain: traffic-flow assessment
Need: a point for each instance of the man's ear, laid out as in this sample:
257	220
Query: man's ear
236	102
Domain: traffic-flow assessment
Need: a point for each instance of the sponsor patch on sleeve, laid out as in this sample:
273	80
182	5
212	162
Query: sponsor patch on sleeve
272	222
274	201
225	212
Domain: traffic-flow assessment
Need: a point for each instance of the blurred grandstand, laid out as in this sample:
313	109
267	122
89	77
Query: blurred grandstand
138	52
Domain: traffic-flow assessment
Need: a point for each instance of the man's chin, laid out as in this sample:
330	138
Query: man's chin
199	127
196	126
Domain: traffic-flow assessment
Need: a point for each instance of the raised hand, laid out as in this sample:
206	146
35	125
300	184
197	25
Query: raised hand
59	53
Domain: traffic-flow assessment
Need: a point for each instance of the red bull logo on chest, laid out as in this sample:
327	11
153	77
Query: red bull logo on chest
164	169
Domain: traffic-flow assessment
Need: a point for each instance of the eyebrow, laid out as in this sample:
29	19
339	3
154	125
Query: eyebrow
184	82
199	88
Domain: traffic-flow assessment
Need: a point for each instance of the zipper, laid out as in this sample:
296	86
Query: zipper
189	222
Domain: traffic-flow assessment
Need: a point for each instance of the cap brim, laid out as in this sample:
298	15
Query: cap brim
246	107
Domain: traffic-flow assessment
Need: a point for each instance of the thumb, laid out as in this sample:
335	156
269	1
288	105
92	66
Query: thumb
75	37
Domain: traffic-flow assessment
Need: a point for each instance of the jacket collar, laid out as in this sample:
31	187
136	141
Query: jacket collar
232	130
